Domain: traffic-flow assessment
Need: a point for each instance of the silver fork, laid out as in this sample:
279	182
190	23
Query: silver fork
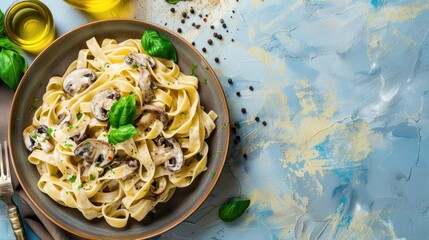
6	192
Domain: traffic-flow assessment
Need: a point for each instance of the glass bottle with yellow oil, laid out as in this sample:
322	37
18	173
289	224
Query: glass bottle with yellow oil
29	24
93	6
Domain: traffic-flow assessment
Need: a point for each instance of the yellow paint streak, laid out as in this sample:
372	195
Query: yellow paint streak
305	96
345	144
257	2
363	226
287	208
275	66
388	14
403	13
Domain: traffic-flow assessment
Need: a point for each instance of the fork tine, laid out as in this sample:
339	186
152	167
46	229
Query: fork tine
6	155
1	162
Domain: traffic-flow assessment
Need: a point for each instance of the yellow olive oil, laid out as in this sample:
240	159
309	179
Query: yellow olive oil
94	6
29	24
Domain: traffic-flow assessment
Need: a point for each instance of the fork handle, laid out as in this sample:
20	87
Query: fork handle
15	221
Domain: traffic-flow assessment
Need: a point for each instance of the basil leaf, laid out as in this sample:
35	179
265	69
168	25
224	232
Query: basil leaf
123	111
12	67
173	1
8	44
121	134
159	46
229	212
1	23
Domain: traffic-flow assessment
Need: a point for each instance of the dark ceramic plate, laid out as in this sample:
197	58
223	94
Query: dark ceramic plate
53	61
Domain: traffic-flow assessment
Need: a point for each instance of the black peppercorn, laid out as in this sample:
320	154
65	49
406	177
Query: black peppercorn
238	94
224	25
192	10
210	42
172	10
243	110
179	30
229	80
251	88
183	20
216	59
237	125
193	43
257	119
245	155
184	14
204	49
264	123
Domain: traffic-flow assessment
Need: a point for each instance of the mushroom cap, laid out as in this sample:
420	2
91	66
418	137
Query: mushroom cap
102	102
158	185
146	86
64	118
37	138
94	150
78	80
139	60
150	113
175	163
82	135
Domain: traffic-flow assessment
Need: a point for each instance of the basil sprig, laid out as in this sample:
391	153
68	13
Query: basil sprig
123	111
12	64
122	133
121	116
229	212
157	45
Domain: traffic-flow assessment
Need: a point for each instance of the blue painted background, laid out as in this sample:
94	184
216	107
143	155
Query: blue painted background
343	87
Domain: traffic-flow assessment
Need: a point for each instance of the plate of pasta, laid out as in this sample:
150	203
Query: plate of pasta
121	125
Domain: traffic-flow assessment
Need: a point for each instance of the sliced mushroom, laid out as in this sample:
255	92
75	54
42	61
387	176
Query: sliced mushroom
64	119
170	153
150	113
130	166
141	62
157	187
37	138
175	164
102	102
78	80
93	150
82	136
145	84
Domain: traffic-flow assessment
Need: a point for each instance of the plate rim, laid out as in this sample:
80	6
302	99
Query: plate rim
223	157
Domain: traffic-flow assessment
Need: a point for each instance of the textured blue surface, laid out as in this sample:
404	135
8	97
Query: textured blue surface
343	87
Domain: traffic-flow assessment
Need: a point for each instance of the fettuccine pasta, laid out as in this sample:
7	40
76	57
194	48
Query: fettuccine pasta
114	171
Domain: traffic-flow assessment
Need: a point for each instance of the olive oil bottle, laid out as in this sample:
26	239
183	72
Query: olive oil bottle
93	6
29	24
